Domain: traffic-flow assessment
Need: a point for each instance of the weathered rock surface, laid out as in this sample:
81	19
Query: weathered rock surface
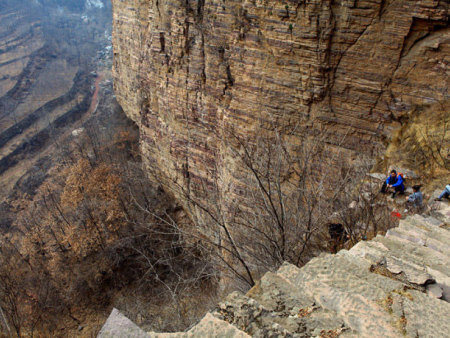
392	286
192	72
118	325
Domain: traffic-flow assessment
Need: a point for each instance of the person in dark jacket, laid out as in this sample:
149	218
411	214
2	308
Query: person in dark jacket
395	182
415	200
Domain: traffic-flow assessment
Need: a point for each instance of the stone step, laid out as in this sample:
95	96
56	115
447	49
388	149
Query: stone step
408	265
209	327
282	317
341	270
412	233
442	212
430	261
419	315
432	239
432	231
406	235
418	253
429	220
382	258
369	250
253	318
431	223
343	284
363	309
298	311
273	289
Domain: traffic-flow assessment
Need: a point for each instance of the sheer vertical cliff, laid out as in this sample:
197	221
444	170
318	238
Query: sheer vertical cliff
190	73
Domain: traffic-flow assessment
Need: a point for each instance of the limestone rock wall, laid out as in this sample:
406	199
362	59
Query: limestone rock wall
189	72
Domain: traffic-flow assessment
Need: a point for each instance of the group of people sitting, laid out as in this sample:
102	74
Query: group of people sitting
396	183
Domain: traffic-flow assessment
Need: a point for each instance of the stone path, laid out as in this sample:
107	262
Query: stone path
392	286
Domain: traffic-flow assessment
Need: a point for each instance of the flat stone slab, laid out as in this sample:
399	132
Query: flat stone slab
117	325
208	327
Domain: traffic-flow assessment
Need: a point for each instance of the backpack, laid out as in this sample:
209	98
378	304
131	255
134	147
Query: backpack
403	177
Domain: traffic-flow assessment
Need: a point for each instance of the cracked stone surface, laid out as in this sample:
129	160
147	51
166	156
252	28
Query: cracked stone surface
392	286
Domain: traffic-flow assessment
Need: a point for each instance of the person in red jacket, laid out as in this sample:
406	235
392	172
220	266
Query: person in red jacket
394	181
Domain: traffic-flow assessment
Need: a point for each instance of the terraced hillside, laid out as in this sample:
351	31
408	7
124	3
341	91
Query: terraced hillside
393	286
48	59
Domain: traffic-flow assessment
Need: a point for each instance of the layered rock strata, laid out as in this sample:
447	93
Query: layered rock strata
396	285
191	73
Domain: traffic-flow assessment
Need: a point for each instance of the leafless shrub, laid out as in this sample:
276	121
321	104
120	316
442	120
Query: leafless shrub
433	147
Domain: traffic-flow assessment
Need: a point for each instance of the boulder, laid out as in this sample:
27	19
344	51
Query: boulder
377	176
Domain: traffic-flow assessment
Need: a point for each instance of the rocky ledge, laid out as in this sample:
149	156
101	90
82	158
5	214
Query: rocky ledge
392	286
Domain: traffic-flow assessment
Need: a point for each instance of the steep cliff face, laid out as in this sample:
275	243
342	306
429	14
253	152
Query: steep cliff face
192	72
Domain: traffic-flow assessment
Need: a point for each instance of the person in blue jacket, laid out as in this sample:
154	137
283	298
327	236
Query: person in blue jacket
394	181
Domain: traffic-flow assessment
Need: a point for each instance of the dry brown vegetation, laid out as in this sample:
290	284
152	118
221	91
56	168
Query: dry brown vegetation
84	238
424	142
98	235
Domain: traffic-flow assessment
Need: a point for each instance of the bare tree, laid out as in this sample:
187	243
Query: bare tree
278	209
